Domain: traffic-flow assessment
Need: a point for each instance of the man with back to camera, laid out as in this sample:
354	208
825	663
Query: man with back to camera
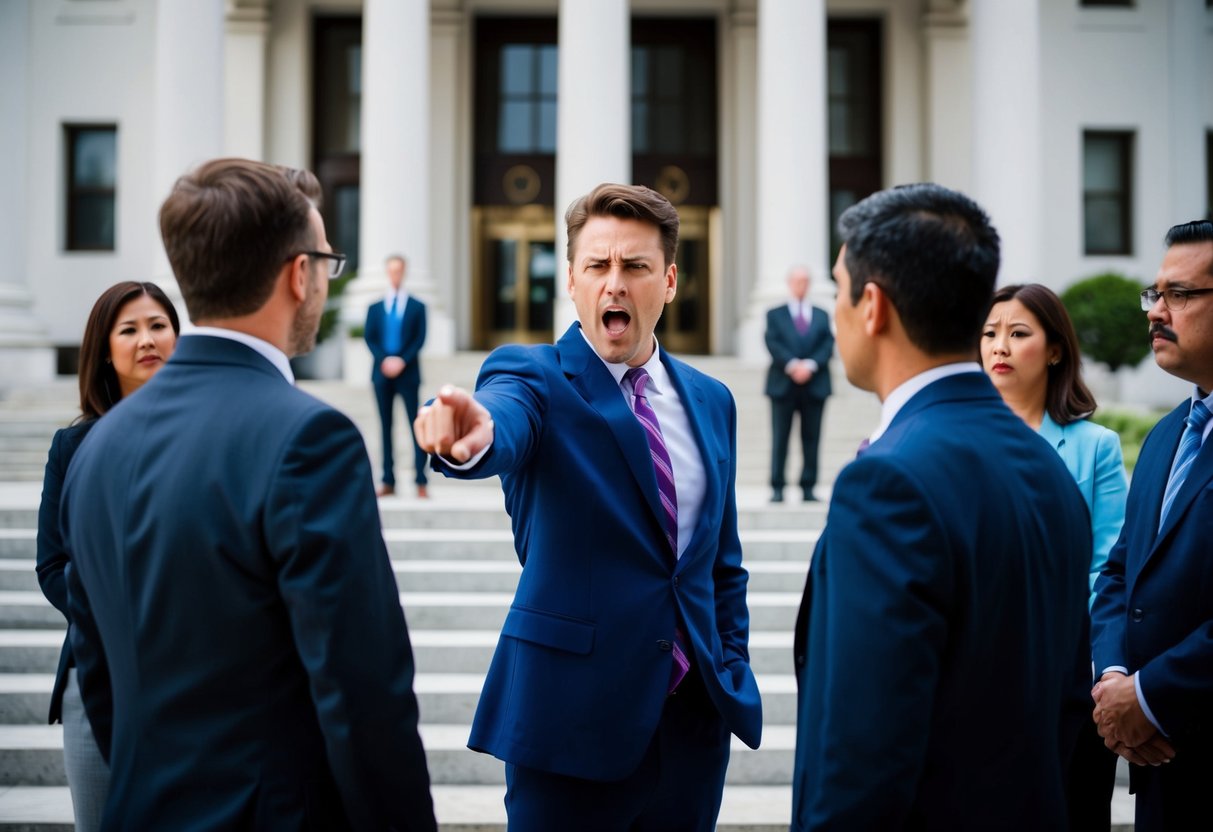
1152	620
623	664
395	334
799	340
228	567
941	648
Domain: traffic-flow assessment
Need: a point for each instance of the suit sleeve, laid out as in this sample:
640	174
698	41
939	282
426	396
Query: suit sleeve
92	668
514	389
1108	501
372	334
1108	610
881	593
51	552
337	584
779	345
415	337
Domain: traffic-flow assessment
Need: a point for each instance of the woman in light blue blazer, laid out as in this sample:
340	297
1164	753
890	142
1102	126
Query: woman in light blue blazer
1030	351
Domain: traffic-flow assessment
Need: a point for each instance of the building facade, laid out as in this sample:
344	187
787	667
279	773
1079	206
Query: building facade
456	132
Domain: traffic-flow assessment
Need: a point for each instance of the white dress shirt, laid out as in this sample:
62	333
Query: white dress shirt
271	353
905	391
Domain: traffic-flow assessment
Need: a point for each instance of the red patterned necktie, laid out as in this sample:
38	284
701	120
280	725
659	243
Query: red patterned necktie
664	469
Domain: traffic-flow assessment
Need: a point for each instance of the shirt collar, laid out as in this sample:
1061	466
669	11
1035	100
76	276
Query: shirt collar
905	391
402	295
264	348
1052	432
658	377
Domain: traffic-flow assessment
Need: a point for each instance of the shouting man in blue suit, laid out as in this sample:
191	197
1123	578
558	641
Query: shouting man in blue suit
941	650
1152	620
623	664
228	581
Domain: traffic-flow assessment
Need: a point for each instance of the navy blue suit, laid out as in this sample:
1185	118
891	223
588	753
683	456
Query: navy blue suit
578	683
52	556
1153	615
941	649
406	385
785	343
228	566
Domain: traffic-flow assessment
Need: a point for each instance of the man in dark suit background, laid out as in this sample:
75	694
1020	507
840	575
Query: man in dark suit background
227	561
799	340
1152	619
623	664
395	334
941	649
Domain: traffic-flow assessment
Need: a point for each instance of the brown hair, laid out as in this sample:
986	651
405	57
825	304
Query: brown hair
228	228
1067	397
629	202
99	390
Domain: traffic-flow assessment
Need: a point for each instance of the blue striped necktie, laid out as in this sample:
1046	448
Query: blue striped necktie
664	469
1189	447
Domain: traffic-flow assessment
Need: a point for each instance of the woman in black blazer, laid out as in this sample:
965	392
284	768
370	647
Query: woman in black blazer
130	333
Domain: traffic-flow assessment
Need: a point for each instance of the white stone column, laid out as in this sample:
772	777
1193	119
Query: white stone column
244	88
793	157
396	188
949	95
593	122
189	101
25	351
1005	43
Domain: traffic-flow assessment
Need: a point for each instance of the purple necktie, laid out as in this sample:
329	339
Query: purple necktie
802	323
664	469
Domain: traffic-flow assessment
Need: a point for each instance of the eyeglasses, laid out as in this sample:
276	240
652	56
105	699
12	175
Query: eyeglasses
1175	299
336	264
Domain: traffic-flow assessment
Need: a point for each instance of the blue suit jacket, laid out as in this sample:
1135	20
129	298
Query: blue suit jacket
227	564
578	681
412	339
1153	611
1092	455
784	343
52	556
942	657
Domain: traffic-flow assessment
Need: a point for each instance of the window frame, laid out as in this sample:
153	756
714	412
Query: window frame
1125	196
74	191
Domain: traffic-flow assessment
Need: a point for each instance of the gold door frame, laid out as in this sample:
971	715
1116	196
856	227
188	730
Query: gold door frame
524	224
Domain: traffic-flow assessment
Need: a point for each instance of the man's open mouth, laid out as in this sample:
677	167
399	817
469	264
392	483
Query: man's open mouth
616	321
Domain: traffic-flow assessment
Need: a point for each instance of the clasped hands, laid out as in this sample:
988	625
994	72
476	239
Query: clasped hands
800	372
454	425
1124	725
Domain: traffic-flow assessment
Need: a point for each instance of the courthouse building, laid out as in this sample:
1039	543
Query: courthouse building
456	132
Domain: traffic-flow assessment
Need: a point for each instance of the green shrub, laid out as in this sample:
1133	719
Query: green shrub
1132	427
1106	310
332	307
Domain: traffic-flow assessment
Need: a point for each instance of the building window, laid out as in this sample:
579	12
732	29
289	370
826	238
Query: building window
1107	192
1108	4
337	120
92	175
527	98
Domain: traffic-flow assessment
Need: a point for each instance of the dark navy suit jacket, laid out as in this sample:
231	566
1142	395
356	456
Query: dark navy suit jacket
227	564
412	339
784	343
1153	610
52	556
578	682
941	650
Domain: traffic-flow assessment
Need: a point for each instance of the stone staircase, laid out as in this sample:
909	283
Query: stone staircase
456	571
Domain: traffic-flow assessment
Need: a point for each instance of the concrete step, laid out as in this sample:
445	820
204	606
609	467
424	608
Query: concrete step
30	651
32	755
443	698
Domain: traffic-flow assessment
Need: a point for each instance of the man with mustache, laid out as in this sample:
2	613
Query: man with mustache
623	663
1152	619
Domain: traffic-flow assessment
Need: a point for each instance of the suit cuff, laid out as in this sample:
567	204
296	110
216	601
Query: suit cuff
811	364
1145	708
465	466
791	365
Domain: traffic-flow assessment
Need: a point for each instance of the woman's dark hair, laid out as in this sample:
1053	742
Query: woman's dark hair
1067	397
99	390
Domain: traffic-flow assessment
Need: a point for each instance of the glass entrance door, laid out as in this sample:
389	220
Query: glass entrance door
685	325
517	275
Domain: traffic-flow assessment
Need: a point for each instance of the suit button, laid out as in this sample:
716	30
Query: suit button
662	644
800	661
675	580
1138	615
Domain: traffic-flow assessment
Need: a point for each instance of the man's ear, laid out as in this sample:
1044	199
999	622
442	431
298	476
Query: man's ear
569	286
296	276
877	309
671	282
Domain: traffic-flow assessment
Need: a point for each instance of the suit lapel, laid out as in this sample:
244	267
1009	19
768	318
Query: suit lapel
597	387
694	404
1198	477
